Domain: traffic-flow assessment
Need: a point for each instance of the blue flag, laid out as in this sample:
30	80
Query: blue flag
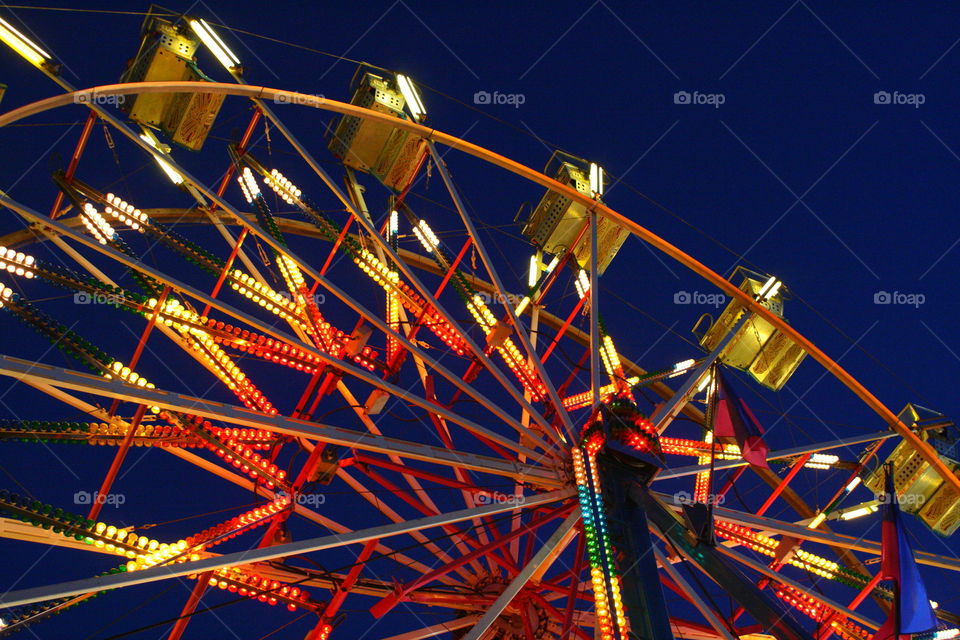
911	612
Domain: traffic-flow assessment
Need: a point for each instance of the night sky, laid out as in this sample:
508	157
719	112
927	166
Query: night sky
815	142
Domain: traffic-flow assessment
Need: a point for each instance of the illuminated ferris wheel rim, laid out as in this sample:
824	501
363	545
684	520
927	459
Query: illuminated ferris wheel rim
85	96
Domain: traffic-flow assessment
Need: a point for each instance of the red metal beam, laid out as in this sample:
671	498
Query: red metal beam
97	504
190	606
74	161
390	601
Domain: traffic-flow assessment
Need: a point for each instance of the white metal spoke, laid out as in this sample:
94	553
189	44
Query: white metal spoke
163	572
504	599
65	378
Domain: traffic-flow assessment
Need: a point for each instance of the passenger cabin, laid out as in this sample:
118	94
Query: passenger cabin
921	490
391	155
557	221
759	348
167	54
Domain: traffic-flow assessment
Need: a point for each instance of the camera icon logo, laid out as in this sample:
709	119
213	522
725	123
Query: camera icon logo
82	297
682	297
882	297
81	497
482	97
682	497
681	97
881	97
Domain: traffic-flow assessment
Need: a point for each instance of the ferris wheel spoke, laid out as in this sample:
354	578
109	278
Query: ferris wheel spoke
500	290
517	584
407	272
779	577
438	629
460	539
229	476
389	602
723	465
65	378
705	610
386	510
826	537
163	572
338	292
358	372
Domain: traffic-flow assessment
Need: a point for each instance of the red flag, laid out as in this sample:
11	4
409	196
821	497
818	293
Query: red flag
735	420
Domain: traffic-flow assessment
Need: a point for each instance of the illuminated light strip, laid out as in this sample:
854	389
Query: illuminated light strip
582	284
216	359
765	545
370	265
102	433
17	262
411	97
393	321
610	357
273	351
248	184
265	296
821	461
161	554
701	485
594	529
581	400
240	455
393	226
507	349
5	294
256	587
687	447
22	44
287	191
125	213
227	370
681	367
167	168
242	523
132	377
426	236
814	609
96	224
858	513
143	552
70	525
213	42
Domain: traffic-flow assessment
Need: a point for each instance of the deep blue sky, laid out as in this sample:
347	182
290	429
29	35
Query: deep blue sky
799	169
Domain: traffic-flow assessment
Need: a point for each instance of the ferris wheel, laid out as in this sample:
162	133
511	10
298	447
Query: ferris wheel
391	391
